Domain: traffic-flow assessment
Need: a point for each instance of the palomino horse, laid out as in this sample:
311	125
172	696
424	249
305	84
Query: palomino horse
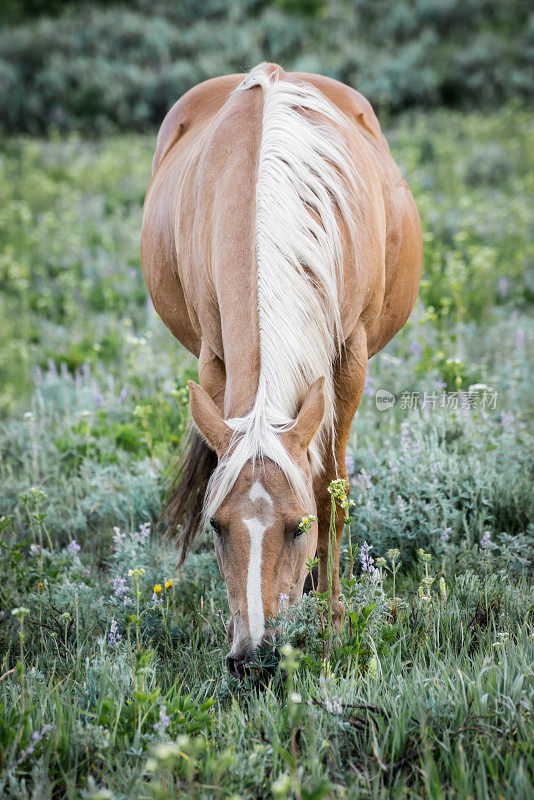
281	246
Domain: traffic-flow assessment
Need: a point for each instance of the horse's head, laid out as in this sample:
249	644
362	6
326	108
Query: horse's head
261	544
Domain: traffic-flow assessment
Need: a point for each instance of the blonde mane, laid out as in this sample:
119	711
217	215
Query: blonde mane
304	170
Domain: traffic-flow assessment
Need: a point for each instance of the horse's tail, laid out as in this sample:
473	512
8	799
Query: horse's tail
182	512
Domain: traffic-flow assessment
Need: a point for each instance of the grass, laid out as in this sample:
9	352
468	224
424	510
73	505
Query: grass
105	693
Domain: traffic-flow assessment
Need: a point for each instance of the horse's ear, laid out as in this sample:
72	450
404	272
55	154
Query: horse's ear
208	420
310	416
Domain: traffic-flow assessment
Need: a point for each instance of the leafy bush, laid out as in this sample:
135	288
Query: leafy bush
95	69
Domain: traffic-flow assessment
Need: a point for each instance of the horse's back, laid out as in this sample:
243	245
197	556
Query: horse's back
391	251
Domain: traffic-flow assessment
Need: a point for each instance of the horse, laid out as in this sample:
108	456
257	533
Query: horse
281	246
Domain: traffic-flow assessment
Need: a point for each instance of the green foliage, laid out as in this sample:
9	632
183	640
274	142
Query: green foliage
123	66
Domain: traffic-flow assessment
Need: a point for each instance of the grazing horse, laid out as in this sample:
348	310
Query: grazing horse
282	247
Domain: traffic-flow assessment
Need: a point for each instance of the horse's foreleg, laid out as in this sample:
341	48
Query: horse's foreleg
349	380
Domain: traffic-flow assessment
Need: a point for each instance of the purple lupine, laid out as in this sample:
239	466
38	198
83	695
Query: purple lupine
507	419
157	600
503	287
120	585
365	478
164	720
97	396
114	636
416	348
445	535
38	376
144	531
366	558
123	394
74	547
485	542
350	464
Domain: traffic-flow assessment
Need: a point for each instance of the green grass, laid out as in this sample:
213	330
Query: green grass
418	698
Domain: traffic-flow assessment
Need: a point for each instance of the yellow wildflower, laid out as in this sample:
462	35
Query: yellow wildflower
157	589
168	585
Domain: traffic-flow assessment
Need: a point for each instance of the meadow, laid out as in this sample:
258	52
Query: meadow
112	677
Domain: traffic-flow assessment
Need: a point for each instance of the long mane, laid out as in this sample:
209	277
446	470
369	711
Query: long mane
302	205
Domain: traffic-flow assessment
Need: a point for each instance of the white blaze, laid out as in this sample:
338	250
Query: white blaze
256	619
256	527
257	492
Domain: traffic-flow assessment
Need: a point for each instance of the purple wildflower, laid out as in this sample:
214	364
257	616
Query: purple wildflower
120	586
38	376
144	531
365	479
485	542
114	636
123	394
164	720
52	369
156	600
366	558
445	535
74	547
503	287
97	396
507	419
416	348
349	464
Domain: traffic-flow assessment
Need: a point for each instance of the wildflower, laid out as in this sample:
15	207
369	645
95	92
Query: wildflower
306	523
295	697
333	705
424	557
118	537
393	554
435	467
365	478
40	587
507	419
127	601
114	636
486	542
22	611
366	559
156	599
97	397
138	572
74	547
350	464
416	348
381	562
168	585
164	720
123	394
158	589
120	586
144	531
443	590
445	535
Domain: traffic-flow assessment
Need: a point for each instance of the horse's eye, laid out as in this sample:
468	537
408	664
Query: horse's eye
297	532
216	527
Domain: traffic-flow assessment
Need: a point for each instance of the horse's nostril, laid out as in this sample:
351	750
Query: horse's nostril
235	666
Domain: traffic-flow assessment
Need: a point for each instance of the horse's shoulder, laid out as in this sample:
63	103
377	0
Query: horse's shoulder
200	102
